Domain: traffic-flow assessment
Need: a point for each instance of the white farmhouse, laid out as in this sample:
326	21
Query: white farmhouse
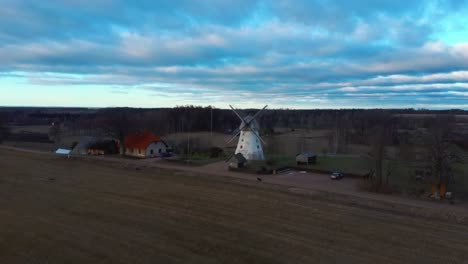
144	145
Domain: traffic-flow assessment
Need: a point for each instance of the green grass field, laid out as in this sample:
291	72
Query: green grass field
402	176
346	164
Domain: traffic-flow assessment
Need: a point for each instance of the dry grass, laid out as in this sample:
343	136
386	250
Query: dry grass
31	145
201	139
30	129
56	210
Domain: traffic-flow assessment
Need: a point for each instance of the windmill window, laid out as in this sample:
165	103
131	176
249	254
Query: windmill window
258	146
242	140
241	146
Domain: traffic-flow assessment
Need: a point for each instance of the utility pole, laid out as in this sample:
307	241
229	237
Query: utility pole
188	124
303	138
336	134
211	120
188	147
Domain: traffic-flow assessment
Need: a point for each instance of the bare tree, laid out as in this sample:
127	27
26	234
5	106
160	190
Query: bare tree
389	170
4	131
379	140
377	153
55	132
117	123
441	156
339	133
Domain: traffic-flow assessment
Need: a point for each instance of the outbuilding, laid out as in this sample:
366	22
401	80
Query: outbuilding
62	151
96	146
144	145
81	147
306	158
237	161
104	147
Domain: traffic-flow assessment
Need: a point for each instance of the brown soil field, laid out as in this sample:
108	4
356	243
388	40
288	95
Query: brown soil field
59	210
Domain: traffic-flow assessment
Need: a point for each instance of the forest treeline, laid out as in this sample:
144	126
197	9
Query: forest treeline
347	126
192	118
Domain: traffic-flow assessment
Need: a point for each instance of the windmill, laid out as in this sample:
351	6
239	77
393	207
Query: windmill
249	144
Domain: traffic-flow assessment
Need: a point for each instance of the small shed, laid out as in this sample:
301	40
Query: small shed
306	158
63	151
237	161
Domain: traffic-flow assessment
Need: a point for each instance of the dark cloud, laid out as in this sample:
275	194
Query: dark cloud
292	48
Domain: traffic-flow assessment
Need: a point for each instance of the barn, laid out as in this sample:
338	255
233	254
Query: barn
96	146
81	148
103	147
306	158
144	145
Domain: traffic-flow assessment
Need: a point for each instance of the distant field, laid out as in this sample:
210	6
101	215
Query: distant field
30	129
429	115
31	145
199	139
59	210
288	143
465	117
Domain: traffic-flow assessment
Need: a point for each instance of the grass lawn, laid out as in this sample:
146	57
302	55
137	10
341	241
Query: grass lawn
346	164
197	159
402	176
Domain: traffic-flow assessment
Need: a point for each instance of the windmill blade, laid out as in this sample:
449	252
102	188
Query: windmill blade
264	143
229	141
232	155
258	113
237	114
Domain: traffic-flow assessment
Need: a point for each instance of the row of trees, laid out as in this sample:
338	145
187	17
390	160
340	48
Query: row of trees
192	118
4	130
433	154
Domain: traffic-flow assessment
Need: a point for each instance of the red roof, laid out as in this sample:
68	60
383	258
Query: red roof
140	140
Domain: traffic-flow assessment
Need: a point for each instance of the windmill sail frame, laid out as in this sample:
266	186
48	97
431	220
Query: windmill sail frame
250	142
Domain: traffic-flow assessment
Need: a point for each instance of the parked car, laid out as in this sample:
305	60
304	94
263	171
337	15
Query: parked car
336	176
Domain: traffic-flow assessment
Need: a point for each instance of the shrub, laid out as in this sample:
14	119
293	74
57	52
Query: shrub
215	152
271	162
73	145
4	133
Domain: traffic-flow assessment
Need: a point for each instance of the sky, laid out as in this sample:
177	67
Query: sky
303	54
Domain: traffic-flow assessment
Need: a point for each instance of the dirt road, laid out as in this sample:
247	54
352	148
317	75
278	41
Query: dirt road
58	210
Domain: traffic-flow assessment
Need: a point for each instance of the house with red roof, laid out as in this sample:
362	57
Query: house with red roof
144	145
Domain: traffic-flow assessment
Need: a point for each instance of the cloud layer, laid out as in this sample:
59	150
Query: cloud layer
303	54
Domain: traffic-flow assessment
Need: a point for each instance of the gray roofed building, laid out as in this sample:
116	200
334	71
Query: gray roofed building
306	158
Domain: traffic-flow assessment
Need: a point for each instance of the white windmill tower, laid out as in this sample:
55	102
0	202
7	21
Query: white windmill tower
249	144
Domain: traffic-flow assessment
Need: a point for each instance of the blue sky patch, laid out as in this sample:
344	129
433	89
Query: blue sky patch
295	54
